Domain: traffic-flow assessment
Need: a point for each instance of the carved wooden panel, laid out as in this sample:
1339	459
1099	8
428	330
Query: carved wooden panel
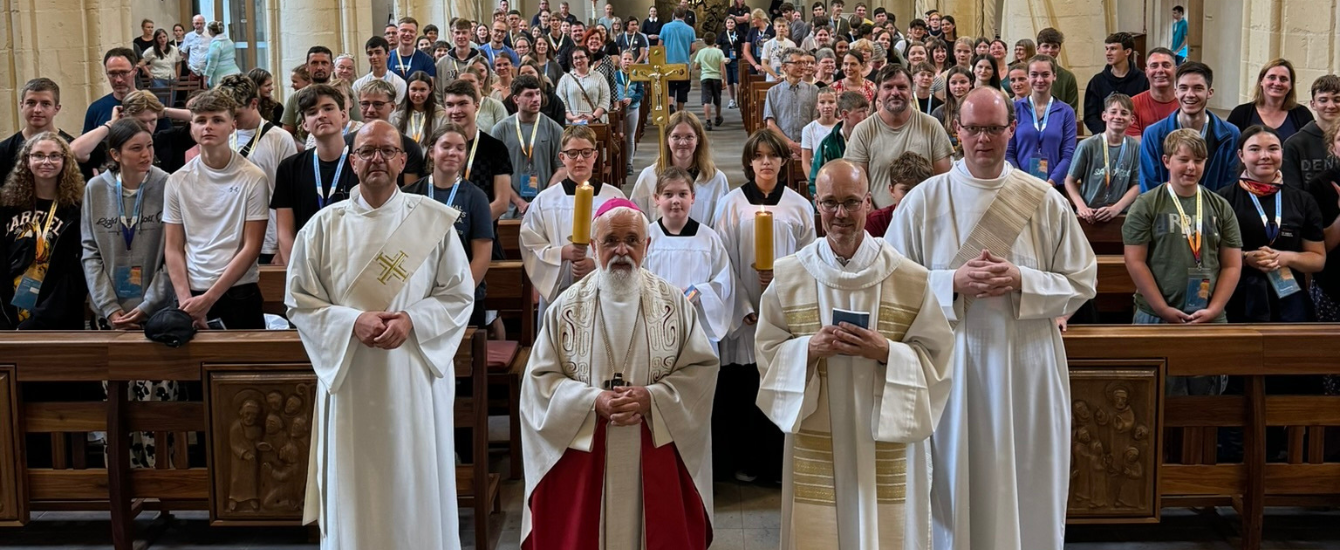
10	471
260	426
1114	445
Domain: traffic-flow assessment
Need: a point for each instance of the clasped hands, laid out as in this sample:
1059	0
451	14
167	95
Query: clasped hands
848	339
383	329
624	405
987	276
582	265
1264	259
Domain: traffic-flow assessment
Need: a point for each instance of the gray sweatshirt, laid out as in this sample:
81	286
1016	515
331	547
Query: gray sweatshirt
108	265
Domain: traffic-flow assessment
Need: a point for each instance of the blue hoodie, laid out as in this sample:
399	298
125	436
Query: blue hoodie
1221	138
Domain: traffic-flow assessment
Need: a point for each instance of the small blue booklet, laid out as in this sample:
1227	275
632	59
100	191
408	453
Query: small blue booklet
858	318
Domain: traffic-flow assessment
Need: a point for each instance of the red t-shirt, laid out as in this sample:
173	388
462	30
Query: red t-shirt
877	222
1148	112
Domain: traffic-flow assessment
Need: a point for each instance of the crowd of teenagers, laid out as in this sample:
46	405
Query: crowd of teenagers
169	202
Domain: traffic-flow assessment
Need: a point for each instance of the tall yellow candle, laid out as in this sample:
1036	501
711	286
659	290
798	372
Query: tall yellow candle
581	214
763	240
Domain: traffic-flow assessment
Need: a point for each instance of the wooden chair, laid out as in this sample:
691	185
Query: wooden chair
604	151
511	294
475	487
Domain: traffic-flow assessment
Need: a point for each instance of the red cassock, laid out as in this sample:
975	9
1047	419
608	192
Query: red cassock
565	505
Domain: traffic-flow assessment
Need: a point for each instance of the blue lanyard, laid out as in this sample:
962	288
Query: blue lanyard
321	194
454	187
128	226
1040	125
1272	229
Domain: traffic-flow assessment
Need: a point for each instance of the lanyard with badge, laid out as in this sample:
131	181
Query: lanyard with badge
1282	279
1037	166
733	37
1107	163
454	187
322	194
1199	279
929	100
25	296
128	279
400	62
416	123
529	189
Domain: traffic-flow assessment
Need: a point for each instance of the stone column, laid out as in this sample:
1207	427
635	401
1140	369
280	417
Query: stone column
341	25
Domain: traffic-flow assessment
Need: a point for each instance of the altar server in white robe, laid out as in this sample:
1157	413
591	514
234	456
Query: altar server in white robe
689	151
381	293
746	442
614	408
690	255
1007	258
550	259
858	401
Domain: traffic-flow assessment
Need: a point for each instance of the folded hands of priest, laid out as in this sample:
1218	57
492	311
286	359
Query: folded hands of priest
848	339
987	276
624	406
382	329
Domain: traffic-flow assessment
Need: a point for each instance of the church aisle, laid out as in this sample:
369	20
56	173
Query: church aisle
727	141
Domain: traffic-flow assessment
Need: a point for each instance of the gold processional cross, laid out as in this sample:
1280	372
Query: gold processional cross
391	267
657	72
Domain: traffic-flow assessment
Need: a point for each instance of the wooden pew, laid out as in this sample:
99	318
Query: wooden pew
509	234
1105	238
233	367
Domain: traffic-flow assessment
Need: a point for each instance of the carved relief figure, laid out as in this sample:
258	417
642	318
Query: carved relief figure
1131	491
1122	418
243	464
1098	495
284	473
1081	471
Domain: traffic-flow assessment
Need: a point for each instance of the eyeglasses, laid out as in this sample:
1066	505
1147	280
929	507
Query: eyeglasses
369	153
374	104
582	153
119	74
610	243
978	130
41	157
830	206
683	139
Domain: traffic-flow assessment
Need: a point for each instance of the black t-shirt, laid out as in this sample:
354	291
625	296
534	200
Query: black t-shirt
691	18
492	159
650	28
61	296
415	168
1326	200
1300	220
735	11
143	45
731	43
475	222
295	185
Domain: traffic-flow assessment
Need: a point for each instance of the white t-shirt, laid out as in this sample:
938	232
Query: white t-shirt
399	83
272	148
213	206
813	134
772	54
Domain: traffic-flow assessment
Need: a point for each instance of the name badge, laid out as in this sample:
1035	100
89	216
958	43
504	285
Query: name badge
25	296
1037	166
529	189
129	282
1197	289
1283	281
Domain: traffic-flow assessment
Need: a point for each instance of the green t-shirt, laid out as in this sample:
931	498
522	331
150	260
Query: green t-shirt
710	59
1153	220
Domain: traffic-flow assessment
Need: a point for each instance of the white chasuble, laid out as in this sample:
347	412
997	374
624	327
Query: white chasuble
857	468
382	470
707	193
580	495
696	258
1004	439
792	229
546	229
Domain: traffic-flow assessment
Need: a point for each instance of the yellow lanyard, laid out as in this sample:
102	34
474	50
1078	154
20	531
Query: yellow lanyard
470	163
1192	238
529	152
400	61
1107	162
233	139
416	122
40	232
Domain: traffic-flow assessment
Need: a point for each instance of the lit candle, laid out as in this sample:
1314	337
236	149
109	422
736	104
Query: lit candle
581	214
763	240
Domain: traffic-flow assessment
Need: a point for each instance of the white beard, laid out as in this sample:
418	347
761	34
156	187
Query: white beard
622	283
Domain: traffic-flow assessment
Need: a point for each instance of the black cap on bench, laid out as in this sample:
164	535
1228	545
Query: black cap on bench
170	326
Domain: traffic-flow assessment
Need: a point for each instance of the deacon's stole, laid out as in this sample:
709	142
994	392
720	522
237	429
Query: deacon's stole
1003	222
814	522
385	275
565	507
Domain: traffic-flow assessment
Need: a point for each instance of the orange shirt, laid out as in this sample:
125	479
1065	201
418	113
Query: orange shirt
1147	112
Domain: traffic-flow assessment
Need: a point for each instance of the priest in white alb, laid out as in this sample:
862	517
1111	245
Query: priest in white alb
381	293
551	261
854	354
616	407
1007	257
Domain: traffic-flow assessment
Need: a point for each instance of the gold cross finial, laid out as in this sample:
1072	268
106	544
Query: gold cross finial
391	267
656	71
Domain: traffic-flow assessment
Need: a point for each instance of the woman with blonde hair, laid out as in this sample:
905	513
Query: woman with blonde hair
686	141
170	145
43	287
1274	102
